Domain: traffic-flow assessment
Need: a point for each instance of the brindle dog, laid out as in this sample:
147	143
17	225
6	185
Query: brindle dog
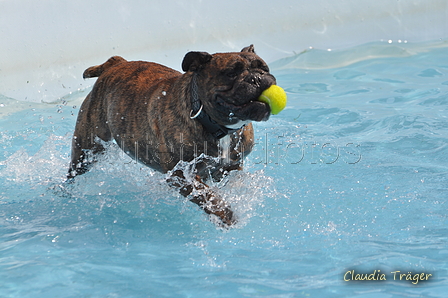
160	116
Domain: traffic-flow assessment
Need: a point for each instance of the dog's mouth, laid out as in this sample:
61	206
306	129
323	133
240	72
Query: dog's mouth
238	102
253	110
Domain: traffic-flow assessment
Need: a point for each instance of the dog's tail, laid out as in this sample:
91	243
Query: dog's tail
96	71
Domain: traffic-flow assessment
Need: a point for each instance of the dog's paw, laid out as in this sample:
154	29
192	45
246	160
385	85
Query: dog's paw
226	217
212	204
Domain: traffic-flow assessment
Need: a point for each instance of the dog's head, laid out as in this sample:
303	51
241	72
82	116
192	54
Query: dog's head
229	84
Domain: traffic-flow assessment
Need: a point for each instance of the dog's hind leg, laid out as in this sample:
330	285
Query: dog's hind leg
91	123
90	127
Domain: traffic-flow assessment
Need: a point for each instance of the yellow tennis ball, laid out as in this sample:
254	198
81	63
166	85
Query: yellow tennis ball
275	97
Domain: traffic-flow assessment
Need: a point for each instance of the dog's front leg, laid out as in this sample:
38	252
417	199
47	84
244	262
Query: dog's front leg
212	203
203	196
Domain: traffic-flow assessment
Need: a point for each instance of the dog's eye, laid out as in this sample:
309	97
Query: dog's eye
265	68
260	65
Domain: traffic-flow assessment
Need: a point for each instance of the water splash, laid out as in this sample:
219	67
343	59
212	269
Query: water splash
42	168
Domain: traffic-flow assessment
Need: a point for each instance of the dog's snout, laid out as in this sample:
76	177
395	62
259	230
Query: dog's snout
262	81
256	80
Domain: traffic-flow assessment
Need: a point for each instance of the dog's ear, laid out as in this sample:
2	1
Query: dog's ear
195	60
249	49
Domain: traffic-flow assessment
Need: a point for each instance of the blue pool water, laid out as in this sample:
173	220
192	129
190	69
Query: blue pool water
353	175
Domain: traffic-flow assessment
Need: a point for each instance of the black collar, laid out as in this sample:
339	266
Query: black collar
197	112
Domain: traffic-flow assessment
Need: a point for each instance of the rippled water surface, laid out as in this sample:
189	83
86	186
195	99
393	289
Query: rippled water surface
352	175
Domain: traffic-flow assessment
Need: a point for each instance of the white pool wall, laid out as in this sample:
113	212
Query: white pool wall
46	45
